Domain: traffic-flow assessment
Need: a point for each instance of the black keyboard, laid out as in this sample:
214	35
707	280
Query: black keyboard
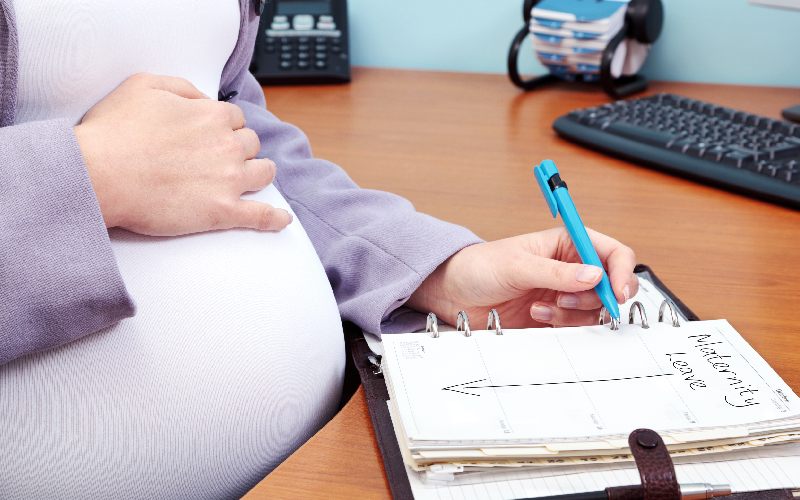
725	147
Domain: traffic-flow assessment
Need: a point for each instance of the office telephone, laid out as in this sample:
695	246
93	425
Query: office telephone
302	41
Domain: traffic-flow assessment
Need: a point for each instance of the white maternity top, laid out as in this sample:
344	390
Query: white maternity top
235	355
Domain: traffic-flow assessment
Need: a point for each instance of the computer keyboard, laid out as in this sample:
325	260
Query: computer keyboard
725	147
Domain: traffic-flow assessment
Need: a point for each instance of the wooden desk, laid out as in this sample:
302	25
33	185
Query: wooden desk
461	147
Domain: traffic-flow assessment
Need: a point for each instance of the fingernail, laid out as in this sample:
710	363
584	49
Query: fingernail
626	292
588	274
541	313
568	301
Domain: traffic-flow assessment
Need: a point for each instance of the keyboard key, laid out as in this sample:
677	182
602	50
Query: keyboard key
717	152
737	158
783	150
647	136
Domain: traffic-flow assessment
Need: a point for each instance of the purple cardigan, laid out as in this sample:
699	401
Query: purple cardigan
59	280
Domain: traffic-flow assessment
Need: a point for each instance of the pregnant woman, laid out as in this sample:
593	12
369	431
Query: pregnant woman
174	269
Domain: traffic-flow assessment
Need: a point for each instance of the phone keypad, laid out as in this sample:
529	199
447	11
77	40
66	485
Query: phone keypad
302	52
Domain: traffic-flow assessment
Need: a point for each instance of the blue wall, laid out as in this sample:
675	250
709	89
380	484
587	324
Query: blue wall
724	41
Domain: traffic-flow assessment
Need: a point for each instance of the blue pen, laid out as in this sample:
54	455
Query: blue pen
558	199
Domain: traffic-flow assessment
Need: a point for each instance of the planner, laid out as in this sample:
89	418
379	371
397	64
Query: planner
482	401
488	396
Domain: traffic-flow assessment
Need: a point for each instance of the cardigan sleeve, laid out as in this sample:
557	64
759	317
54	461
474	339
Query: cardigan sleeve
375	247
59	279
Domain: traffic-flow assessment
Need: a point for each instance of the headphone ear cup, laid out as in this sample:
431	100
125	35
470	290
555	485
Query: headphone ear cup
645	19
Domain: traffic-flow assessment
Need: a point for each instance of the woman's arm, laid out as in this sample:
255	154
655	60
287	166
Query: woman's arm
375	247
58	277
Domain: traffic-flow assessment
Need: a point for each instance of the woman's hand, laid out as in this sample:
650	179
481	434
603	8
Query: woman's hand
532	280
165	160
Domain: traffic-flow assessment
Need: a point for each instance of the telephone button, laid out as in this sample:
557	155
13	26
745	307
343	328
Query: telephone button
320	64
325	19
303	22
302	65
326	26
321	56
280	19
286	65
286	56
302	56
278	26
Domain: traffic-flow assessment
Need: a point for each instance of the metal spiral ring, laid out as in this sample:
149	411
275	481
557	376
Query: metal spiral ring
432	325
494	322
637	306
462	323
674	315
615	323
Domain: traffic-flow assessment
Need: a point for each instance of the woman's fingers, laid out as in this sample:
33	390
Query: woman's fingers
585	301
259	216
251	145
257	174
620	261
551	314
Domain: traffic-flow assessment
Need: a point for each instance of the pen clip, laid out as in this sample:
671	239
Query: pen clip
543	172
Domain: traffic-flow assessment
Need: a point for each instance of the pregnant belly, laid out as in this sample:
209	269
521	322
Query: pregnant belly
236	285
235	357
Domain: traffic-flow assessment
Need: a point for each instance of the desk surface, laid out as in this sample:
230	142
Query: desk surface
461	147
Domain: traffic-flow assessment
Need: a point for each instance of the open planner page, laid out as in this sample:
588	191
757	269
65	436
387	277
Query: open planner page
581	384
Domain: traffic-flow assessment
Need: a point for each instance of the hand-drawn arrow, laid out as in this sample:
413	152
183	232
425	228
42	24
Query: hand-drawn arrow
468	385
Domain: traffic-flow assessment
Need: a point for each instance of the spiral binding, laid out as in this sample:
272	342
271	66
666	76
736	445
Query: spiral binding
462	324
637	306
493	323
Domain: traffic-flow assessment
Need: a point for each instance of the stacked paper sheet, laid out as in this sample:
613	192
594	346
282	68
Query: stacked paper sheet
569	37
